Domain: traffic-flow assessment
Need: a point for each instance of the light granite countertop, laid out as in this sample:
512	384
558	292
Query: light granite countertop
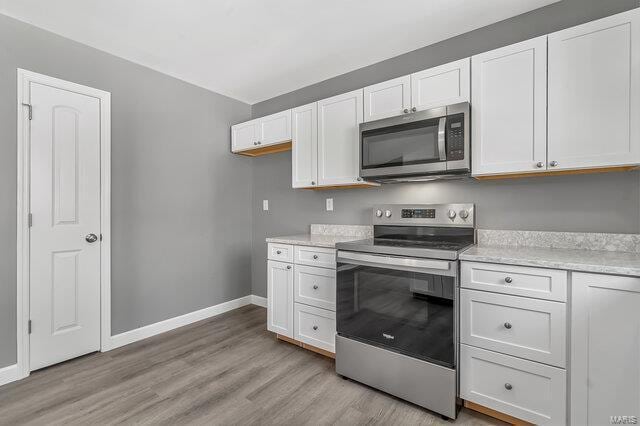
598	261
326	235
314	240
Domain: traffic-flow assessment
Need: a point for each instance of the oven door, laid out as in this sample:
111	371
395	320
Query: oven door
406	305
411	144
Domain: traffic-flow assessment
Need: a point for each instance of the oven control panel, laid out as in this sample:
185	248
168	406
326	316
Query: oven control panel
418	213
457	215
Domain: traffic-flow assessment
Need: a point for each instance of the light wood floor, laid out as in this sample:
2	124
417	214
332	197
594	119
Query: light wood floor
225	370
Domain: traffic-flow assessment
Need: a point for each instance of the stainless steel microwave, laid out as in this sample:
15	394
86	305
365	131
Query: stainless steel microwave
423	145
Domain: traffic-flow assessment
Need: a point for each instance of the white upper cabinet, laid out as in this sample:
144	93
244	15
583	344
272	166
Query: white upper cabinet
274	128
304	157
594	94
387	99
244	136
605	348
508	109
443	85
339	119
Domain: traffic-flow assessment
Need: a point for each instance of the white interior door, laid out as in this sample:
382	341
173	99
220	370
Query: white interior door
65	207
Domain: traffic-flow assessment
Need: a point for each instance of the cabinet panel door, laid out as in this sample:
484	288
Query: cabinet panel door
605	348
244	136
304	156
594	93
274	128
509	109
339	118
443	85
280	298
387	99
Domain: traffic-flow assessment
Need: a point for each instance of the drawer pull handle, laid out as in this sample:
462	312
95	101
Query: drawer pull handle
288	266
508	280
508	386
278	252
315	286
507	325
315	327
315	256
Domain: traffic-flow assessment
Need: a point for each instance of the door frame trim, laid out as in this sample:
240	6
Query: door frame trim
24	78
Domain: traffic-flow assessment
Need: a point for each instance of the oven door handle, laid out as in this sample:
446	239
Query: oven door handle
401	263
442	151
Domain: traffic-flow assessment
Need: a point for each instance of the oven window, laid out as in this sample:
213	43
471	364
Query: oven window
411	143
408	312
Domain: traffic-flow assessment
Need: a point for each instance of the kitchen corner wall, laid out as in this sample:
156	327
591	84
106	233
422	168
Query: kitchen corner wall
181	202
593	203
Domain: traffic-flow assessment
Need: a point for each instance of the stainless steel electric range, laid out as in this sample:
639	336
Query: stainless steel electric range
397	303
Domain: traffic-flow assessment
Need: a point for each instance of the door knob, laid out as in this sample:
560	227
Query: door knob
91	238
539	164
553	163
406	110
508	280
507	325
315	286
414	109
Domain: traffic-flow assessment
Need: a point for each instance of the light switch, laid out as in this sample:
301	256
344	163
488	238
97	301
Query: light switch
265	205
329	204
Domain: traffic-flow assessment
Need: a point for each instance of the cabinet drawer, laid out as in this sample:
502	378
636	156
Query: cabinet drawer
527	328
550	284
315	286
315	326
280	252
524	389
315	256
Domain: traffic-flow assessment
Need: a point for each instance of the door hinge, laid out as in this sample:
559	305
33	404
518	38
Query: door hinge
29	326
30	110
30	220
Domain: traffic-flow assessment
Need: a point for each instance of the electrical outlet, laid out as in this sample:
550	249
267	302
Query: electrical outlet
265	205
329	204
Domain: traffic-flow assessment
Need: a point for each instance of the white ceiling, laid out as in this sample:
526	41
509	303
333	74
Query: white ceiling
253	50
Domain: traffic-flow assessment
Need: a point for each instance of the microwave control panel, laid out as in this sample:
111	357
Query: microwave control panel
455	137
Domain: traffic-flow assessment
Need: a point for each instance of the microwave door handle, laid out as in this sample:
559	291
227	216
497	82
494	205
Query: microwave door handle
441	140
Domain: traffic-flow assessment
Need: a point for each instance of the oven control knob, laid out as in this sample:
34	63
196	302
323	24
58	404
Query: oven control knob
451	214
387	213
378	213
463	214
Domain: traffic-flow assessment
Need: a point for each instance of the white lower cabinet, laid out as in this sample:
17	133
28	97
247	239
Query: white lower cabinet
301	296
527	328
524	389
280	298
513	342
605	349
315	326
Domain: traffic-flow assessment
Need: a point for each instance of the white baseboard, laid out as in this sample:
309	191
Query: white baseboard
259	300
8	374
150	330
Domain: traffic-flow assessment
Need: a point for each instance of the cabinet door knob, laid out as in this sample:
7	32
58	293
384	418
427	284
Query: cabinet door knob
315	256
278	252
315	286
508	386
508	280
406	110
553	163
288	266
255	143
359	179
539	164
507	325
315	327
313	182
414	109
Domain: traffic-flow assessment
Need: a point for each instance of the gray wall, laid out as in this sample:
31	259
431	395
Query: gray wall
181	235
594	203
